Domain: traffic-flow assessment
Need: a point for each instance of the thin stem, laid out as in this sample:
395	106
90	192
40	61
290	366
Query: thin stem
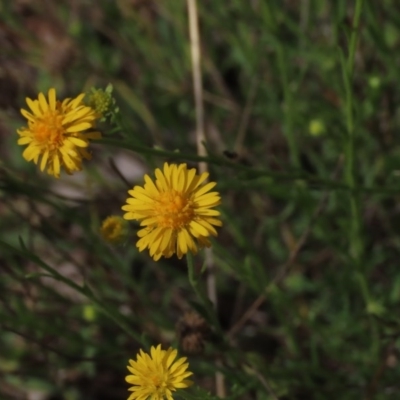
206	303
197	80
84	290
200	134
356	246
245	118
250	173
201	150
354	37
288	107
348	69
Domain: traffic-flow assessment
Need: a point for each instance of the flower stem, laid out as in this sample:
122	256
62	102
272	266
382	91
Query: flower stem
84	290
356	246
205	302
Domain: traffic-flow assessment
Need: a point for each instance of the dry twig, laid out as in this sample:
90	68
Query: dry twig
201	151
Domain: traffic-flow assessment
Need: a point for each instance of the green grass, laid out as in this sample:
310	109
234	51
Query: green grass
305	94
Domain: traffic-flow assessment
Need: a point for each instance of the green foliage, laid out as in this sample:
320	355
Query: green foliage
302	120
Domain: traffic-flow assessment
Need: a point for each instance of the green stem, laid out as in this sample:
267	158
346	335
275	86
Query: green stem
250	173
288	107
84	290
282	65
208	306
356	246
354	37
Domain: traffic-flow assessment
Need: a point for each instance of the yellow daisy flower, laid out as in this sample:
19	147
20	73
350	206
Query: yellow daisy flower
56	133
157	375
175	211
114	229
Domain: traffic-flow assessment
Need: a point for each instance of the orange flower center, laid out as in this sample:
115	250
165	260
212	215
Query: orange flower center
49	130
156	380
111	229
173	210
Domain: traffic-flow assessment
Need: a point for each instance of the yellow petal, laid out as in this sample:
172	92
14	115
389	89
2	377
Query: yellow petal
182	244
52	99
79	127
34	106
189	178
44	160
199	229
75	103
77	142
30	152
206	188
74	114
28	115
43	103
56	166
24	140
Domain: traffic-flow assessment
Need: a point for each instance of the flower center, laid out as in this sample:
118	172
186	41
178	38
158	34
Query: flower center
160	384
112	229
156	380
173	210
49	131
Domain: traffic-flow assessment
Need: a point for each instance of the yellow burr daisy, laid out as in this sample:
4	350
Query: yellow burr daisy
156	375
58	133
176	211
114	229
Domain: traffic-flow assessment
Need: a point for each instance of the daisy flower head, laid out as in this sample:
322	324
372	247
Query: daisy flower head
114	229
176	211
57	133
156	375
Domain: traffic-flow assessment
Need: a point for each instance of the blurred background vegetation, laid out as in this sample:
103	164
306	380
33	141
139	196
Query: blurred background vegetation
302	123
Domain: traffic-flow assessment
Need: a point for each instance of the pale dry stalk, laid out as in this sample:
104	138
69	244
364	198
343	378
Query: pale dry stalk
202	151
